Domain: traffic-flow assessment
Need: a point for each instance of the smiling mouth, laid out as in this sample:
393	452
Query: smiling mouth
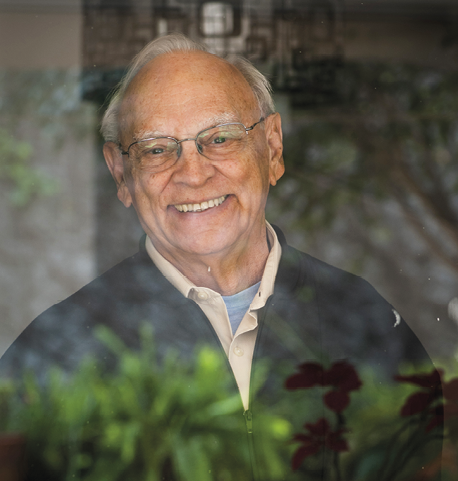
208	204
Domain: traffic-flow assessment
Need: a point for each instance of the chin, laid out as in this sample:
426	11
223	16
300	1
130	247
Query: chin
204	244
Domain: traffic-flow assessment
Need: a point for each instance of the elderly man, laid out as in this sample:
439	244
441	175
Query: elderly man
194	144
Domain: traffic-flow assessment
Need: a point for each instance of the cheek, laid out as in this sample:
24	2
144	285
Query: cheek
257	171
253	184
144	188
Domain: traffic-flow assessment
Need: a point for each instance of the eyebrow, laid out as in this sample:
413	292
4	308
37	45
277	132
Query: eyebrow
206	124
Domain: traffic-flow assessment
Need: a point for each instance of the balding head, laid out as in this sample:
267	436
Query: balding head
179	43
196	157
165	84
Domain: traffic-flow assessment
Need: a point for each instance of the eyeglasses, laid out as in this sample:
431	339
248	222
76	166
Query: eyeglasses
218	143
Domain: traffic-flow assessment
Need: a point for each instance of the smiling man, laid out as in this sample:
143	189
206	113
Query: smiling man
196	163
194	144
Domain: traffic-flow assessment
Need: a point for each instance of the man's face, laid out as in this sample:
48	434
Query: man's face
178	95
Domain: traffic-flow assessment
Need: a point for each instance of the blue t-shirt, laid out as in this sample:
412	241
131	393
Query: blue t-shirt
238	304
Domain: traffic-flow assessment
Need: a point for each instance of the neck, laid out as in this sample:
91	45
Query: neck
225	272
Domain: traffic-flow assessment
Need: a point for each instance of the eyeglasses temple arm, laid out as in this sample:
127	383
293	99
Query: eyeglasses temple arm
254	125
123	152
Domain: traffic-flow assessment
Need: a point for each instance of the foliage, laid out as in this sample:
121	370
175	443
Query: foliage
143	421
15	168
385	448
46	103
181	420
394	136
49	99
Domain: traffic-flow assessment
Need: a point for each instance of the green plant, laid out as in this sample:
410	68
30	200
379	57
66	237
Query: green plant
15	168
373	437
144	420
392	139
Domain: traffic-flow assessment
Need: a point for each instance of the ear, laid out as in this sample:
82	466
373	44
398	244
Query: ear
113	158
275	142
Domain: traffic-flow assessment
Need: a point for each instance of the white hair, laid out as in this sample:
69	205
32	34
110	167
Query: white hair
257	81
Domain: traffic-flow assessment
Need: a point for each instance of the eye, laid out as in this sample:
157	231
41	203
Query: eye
220	137
156	151
156	147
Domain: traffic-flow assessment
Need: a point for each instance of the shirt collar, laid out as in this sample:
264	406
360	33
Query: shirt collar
184	285
169	271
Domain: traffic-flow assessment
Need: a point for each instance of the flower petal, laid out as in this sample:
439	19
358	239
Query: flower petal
311	374
319	429
302	453
416	403
430	381
313	371
297	381
337	401
343	376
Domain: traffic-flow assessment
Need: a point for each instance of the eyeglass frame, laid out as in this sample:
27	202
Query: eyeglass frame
247	129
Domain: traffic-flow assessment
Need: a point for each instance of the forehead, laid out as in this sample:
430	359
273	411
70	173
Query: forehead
182	89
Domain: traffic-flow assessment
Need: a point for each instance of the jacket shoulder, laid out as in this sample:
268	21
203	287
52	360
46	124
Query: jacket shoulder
122	298
345	312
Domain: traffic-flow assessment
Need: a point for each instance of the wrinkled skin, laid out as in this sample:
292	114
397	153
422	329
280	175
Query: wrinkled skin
179	94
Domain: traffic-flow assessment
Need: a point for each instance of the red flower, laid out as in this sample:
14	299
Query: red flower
342	376
311	374
320	436
336	401
421	401
426	401
430	381
450	408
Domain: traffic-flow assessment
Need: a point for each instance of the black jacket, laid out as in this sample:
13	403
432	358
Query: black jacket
317	313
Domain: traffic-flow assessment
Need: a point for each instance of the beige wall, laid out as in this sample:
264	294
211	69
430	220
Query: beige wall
37	41
47	246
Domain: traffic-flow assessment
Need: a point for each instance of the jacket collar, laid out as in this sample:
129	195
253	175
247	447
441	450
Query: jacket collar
290	270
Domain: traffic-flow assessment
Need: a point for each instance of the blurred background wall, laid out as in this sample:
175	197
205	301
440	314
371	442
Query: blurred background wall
368	92
47	210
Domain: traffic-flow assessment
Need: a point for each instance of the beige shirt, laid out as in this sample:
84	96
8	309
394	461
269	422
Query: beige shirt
238	347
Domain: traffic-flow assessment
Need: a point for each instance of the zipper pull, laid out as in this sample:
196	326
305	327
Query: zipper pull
249	420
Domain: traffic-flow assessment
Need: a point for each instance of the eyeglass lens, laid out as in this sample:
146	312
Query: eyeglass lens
216	143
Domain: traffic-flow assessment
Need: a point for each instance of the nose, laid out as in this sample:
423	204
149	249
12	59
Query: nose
192	168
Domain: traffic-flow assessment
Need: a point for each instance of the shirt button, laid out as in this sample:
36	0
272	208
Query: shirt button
202	295
238	351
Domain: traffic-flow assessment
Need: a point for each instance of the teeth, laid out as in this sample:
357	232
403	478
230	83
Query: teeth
202	206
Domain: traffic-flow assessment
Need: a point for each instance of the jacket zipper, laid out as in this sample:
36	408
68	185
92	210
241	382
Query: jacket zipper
248	415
